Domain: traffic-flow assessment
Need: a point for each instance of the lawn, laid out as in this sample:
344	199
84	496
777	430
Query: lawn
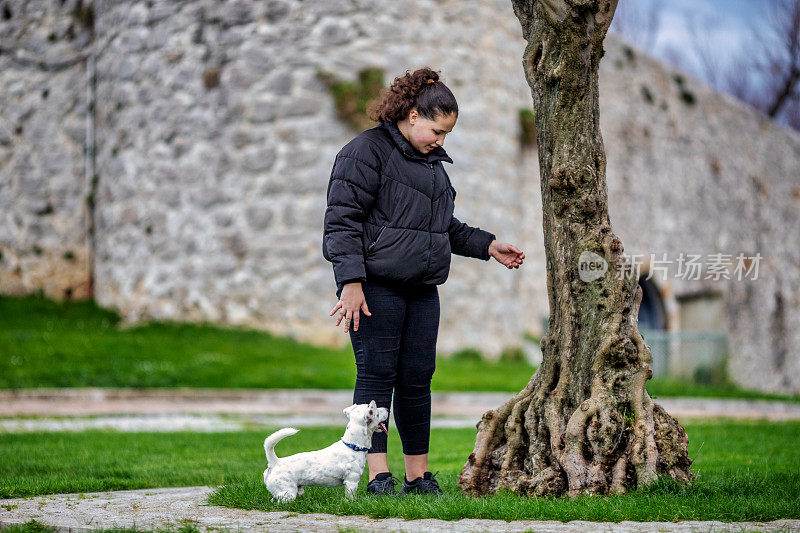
78	344
746	471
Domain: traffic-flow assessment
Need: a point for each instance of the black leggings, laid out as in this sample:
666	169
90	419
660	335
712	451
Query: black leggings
395	348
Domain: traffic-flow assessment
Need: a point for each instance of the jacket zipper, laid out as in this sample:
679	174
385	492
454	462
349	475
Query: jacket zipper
430	223
376	238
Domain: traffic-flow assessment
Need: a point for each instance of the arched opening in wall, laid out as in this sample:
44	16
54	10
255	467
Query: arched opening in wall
652	315
652	324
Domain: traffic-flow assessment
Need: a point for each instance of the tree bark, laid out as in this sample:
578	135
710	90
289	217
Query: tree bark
584	423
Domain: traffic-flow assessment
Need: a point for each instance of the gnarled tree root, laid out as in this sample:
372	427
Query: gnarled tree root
545	441
581	459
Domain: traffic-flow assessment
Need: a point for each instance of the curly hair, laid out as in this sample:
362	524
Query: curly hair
421	90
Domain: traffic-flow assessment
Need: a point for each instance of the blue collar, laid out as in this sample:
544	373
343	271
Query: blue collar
354	447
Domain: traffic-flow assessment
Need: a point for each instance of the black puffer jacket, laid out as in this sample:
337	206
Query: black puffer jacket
390	213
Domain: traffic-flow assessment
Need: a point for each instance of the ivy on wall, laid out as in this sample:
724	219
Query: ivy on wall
352	98
527	128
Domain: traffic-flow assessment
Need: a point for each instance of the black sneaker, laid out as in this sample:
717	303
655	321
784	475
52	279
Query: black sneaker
426	484
383	483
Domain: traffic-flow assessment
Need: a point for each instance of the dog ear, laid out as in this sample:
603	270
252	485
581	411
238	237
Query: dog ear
347	410
371	411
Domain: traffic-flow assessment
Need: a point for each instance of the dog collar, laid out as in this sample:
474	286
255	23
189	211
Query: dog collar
354	447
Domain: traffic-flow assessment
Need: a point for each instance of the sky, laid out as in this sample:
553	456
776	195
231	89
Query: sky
726	24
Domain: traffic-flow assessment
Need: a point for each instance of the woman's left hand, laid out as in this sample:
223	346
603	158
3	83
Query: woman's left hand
506	253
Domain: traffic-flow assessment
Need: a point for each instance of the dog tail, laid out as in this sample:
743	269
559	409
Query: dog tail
272	440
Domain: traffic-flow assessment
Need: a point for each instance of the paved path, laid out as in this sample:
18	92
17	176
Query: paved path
157	508
233	410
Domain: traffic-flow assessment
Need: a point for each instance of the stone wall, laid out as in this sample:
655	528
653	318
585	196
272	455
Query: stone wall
211	198
44	241
215	139
694	171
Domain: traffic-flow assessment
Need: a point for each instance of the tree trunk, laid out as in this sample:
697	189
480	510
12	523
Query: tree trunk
584	423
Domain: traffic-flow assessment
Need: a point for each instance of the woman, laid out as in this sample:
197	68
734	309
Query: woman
389	232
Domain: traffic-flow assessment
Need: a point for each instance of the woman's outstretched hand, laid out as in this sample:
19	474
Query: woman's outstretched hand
506	253
351	302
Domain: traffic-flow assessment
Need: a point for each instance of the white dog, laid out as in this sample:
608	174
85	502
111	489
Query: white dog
341	463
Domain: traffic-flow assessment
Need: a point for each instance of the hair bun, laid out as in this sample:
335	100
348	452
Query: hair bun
421	89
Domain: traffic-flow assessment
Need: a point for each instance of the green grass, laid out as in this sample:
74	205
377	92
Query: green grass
77	344
670	388
746	471
90	461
